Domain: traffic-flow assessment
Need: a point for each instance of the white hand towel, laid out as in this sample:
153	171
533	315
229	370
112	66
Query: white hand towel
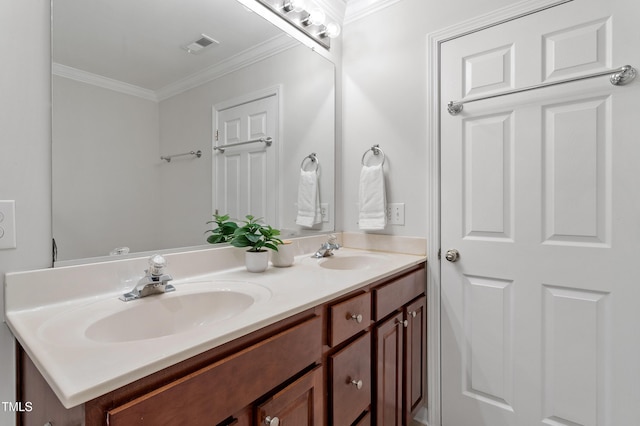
372	198
308	199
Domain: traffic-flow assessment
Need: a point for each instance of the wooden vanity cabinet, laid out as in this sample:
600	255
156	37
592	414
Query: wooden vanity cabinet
219	387
208	395
359	360
378	341
400	349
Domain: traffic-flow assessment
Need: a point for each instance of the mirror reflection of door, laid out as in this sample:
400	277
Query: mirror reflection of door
243	173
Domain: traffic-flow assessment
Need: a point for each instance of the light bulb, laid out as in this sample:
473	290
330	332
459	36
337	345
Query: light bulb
294	5
332	30
316	16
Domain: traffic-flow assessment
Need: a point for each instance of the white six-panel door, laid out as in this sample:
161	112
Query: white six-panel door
540	195
245	176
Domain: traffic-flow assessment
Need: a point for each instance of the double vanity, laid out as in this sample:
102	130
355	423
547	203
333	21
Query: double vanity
338	340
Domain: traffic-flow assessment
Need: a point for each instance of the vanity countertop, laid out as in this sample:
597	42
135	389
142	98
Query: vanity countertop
52	330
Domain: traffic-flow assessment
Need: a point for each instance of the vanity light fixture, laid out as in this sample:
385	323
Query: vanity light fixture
294	5
306	17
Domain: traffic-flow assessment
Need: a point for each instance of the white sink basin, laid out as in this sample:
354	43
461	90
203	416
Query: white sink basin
191	307
157	317
351	262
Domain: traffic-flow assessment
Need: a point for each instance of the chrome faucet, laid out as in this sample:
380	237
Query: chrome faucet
155	281
327	248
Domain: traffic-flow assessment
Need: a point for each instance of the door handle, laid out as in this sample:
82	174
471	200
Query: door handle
452	255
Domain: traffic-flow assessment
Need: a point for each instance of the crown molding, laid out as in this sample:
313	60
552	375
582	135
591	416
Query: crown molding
335	9
104	82
248	57
358	9
243	59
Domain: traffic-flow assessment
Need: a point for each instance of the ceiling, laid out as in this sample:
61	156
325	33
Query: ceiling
139	42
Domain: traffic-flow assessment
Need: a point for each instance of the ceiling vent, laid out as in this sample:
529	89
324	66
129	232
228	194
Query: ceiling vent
198	46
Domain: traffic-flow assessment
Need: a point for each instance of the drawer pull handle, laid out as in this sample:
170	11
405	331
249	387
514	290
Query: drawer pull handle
271	421
413	314
356	317
404	323
357	383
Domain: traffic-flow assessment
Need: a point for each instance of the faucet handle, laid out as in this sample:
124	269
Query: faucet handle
332	239
157	264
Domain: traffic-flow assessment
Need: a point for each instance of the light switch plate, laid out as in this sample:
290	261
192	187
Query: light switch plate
7	224
324	210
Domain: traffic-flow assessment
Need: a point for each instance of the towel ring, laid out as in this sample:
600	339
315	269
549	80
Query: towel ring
313	158
376	151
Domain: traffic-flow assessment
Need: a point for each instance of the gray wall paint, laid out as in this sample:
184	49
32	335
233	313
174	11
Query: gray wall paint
385	100
25	152
116	183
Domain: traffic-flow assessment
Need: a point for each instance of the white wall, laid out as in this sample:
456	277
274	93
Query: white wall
106	170
385	98
25	152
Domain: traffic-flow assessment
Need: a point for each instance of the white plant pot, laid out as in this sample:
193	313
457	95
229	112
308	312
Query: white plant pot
256	261
284	257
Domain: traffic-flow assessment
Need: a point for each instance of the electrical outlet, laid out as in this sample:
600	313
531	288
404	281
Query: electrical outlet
324	211
7	224
395	213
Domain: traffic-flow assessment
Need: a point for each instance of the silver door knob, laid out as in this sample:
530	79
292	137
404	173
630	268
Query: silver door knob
272	421
357	383
452	255
356	317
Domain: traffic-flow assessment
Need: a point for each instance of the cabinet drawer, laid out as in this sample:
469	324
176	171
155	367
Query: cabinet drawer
349	318
389	297
351	381
209	391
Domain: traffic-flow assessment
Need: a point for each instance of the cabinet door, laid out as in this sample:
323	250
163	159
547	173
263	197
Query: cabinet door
351	381
389	371
298	404
415	357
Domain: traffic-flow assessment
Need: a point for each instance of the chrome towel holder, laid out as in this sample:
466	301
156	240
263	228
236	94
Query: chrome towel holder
617	77
267	141
313	158
376	151
168	158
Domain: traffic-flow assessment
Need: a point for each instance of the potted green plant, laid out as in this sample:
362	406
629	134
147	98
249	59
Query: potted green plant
258	238
223	233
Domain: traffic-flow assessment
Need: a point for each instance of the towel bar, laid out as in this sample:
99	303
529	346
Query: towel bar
376	151
168	158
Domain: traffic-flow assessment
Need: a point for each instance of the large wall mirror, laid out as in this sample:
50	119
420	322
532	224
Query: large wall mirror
135	81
